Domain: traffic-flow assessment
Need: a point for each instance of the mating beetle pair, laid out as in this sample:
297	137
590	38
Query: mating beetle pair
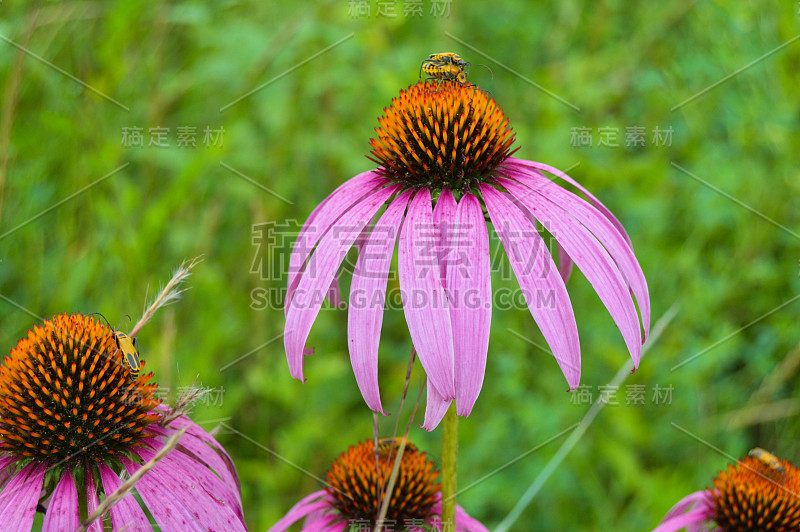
447	66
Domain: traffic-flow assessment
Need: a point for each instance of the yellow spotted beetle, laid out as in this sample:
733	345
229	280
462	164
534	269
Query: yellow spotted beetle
127	345
768	459
388	446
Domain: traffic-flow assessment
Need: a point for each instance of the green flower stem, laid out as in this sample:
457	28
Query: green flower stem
449	460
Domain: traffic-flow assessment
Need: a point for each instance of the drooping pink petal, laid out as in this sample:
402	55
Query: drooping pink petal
367	299
322	218
467	523
615	243
227	500
183	498
596	202
305	506
469	289
165	502
339	526
92	502
326	523
193	430
539	280
435	407
204	456
684	520
196	455
6	472
63	512
319	513
334	296
564	264
125	514
592	259
320	271
424	299
19	498
701	498
444	219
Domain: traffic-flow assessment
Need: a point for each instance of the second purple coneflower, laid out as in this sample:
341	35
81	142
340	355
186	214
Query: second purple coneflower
355	488
759	493
444	156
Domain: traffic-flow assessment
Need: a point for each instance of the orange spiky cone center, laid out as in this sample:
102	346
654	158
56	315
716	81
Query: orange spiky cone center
753	496
357	484
66	397
439	134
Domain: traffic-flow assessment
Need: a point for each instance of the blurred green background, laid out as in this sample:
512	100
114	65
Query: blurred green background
176	64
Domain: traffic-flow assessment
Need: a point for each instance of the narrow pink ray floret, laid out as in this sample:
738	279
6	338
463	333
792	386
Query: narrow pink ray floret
445	166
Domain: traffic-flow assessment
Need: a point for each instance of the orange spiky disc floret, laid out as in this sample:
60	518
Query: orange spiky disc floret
440	134
357	484
755	496
66	397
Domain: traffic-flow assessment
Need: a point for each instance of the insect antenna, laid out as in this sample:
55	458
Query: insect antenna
484	66
106	320
123	318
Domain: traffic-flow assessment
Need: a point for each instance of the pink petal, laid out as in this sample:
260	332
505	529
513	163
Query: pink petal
125	514
92	501
367	298
615	243
181	498
165	502
205	456
191	454
228	472
469	288
319	274
523	244
435	408
467	523
7	472
226	499
334	296
19	498
444	217
341	526
306	506
322	218
63	512
701	498
596	202
684	520
424	299
564	264
326	524
592	259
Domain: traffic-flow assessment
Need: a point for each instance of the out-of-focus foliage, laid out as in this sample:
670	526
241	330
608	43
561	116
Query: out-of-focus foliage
721	255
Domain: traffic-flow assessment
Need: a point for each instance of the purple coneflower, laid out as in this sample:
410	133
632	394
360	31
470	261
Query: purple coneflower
453	143
754	495
73	422
355	488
